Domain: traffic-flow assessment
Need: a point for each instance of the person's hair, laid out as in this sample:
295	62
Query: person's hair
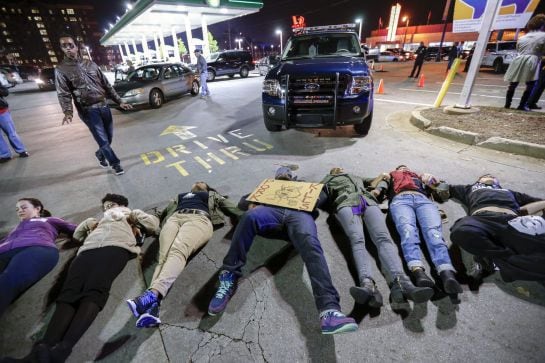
117	199
200	186
537	22
336	170
401	166
36	203
66	35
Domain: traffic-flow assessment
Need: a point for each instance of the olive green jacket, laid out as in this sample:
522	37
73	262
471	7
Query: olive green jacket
345	190
218	206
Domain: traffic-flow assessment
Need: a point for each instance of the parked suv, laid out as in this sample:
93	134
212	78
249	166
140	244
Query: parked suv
499	55
322	81
229	63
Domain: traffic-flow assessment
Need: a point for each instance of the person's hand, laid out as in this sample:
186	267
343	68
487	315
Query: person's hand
67	119
92	225
428	179
386	176
376	193
125	106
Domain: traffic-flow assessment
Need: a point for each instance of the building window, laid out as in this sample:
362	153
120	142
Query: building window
73	18
4	9
40	25
19	11
84	32
29	17
45	39
9	40
62	11
79	39
35	11
38	18
43	32
51	52
54	59
3	25
12	10
50	12
5	32
70	11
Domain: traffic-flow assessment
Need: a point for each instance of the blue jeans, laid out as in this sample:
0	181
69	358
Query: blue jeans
406	210
300	230
7	126
375	223
20	268
204	85
100	123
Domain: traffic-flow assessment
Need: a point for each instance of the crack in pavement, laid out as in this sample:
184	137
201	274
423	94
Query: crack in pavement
211	260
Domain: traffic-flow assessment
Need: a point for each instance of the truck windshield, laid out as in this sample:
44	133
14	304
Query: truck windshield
322	45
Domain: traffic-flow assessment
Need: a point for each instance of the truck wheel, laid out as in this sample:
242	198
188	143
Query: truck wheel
498	65
244	72
270	126
363	128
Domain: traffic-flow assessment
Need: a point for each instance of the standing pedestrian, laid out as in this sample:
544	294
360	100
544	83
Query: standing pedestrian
538	90
82	80
7	126
202	69
525	67
452	55
420	55
469	57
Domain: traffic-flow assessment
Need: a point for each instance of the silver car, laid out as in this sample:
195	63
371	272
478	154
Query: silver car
12	76
153	84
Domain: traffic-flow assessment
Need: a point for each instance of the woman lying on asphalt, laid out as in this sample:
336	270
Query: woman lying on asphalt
108	244
32	240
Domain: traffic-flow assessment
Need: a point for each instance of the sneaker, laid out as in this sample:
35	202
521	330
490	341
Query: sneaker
101	160
333	322
223	295
24	154
150	319
139	305
118	169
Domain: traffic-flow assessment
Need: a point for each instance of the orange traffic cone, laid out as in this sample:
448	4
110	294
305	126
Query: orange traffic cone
380	90
372	65
381	68
421	80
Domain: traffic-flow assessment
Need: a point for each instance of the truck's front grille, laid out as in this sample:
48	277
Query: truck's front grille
318	84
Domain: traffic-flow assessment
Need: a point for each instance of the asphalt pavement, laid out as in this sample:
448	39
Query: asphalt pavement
272	318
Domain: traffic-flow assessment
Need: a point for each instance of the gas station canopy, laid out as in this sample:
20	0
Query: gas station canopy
154	16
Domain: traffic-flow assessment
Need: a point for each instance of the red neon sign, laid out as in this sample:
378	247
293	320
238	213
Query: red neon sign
298	22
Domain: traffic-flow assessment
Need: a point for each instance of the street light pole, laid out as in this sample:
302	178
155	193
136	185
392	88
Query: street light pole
278	31
358	20
406	20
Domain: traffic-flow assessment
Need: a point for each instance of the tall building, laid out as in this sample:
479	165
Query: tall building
30	30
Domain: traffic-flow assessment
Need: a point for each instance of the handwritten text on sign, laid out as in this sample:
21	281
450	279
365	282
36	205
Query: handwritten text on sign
287	194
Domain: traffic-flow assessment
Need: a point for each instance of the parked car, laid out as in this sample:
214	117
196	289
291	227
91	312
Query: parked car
4	81
12	76
431	53
229	63
499	55
322	81
265	64
387	56
27	72
153	84
46	79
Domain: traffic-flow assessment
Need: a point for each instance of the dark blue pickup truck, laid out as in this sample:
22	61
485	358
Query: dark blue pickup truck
322	81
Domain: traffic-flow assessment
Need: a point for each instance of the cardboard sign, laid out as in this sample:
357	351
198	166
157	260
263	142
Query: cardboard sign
287	194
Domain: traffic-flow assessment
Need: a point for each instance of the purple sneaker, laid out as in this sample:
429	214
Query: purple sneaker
139	305
223	295
150	319
333	322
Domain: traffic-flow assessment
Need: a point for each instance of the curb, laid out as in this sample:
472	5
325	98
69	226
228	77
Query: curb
472	138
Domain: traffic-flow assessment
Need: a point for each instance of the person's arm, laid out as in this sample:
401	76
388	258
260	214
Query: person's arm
531	203
62	226
110	91
140	218
3	91
226	206
533	208
84	229
64	94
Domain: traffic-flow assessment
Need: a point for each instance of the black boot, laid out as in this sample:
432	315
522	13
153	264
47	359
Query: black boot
509	96
403	289
367	293
60	352
420	278
450	284
523	101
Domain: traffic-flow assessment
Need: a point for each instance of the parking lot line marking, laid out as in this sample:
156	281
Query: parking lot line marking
476	84
454	93
404	102
179	167
215	158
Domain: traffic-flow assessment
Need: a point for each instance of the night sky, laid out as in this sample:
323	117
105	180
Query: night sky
277	14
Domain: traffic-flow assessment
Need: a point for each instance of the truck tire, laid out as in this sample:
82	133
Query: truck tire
211	75
363	128
498	65
244	71
270	126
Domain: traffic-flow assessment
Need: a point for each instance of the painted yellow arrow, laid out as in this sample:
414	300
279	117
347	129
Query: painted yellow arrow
181	131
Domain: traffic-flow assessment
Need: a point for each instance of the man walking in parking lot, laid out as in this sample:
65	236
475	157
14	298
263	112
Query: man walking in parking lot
202	69
82	80
420	55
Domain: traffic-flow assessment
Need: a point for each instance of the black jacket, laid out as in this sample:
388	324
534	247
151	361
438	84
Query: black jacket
3	93
82	80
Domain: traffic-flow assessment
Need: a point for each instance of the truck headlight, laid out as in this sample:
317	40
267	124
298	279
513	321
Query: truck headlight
38	81
360	84
133	92
271	87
